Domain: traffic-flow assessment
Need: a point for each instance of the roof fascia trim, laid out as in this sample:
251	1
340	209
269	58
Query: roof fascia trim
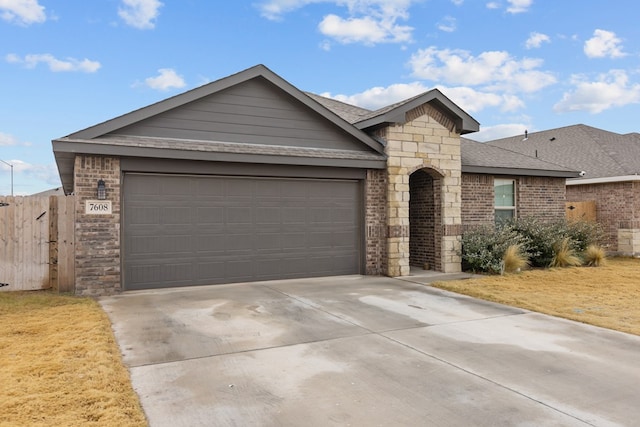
605	180
518	172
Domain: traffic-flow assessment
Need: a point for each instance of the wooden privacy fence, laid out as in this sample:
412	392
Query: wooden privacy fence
581	211
37	243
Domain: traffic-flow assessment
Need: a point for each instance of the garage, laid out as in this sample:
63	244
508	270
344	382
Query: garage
185	230
240	180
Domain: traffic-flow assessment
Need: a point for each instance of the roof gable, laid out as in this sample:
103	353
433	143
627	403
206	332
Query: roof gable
259	75
396	113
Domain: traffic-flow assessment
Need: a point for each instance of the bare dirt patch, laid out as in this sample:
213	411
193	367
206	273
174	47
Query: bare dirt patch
606	296
61	365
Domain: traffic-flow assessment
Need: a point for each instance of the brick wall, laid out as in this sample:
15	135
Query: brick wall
477	200
97	236
617	206
422	220
375	221
540	197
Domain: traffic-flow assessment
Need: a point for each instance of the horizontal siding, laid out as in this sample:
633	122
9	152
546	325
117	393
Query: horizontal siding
252	112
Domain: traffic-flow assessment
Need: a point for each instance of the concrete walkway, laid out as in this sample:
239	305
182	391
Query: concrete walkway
367	351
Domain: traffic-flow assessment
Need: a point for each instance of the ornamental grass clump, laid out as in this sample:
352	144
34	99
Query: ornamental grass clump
564	255
514	259
595	256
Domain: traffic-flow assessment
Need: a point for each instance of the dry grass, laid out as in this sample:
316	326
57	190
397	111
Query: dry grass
61	365
605	296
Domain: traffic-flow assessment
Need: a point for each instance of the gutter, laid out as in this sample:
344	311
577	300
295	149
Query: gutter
604	180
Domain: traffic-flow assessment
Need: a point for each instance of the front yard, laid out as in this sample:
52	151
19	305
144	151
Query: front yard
61	365
606	296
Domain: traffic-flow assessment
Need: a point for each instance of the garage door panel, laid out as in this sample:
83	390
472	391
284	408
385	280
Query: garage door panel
190	230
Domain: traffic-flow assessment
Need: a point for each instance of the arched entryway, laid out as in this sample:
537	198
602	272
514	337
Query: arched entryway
425	219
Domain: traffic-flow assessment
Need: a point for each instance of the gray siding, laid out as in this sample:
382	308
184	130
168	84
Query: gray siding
253	112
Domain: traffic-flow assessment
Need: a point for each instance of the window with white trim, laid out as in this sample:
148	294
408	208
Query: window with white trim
505	199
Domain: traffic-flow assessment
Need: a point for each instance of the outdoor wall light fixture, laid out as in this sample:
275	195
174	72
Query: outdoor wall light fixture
102	190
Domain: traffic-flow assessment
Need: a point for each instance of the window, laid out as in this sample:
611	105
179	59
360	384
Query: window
505	199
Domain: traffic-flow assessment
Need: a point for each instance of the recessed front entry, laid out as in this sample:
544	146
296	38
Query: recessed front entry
197	230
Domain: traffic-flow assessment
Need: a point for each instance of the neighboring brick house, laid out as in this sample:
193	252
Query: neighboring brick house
247	178
609	165
498	183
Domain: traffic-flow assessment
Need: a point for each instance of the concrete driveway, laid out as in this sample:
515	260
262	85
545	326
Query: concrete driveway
367	351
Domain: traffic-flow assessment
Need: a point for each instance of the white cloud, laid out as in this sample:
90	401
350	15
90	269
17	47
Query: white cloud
275	9
368	21
493	5
519	6
535	40
166	79
496	70
325	45
378	97
489	133
140	14
365	30
7	139
54	64
457	2
603	44
472	101
610	90
468	99
22	12
25	172
448	24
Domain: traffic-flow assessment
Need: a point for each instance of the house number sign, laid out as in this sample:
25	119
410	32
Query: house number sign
98	207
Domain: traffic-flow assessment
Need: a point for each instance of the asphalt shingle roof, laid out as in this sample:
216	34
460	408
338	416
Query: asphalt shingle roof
347	112
598	152
479	154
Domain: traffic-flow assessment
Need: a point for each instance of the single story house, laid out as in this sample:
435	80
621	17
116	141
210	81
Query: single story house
248	178
610	166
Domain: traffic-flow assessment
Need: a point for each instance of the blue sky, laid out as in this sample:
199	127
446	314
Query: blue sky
511	64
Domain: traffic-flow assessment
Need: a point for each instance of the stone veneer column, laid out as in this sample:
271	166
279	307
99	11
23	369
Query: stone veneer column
629	242
427	140
97	257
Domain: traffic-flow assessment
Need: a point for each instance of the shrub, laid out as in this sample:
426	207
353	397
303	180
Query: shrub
514	259
584	234
542	236
484	247
594	256
564	254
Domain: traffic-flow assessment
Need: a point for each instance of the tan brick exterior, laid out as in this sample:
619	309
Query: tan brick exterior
427	141
97	236
617	210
